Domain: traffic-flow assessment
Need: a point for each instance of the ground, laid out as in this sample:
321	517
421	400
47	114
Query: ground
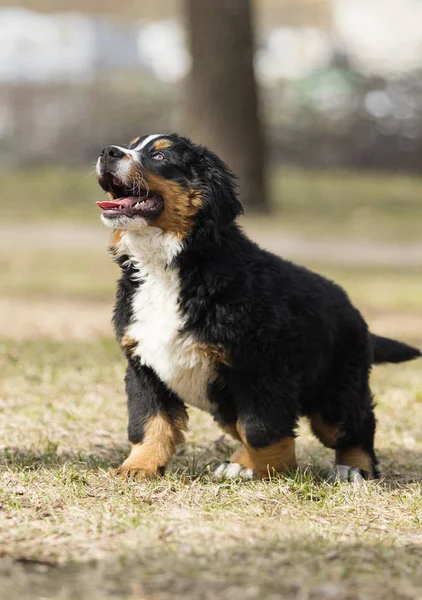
69	530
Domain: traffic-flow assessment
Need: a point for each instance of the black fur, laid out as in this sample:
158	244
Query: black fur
296	344
386	350
147	396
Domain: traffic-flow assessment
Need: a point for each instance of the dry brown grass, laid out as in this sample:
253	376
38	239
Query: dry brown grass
69	530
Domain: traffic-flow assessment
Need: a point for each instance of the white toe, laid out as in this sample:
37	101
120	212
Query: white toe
355	476
233	471
220	471
345	473
247	473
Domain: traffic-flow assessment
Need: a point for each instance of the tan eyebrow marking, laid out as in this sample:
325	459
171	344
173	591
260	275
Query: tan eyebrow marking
162	144
135	140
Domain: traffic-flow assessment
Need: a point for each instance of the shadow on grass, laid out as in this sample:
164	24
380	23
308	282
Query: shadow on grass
267	567
22	459
198	460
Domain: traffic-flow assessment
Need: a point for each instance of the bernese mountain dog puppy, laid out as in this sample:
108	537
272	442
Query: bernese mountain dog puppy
207	318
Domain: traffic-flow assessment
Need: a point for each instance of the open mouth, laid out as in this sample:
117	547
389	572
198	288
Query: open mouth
128	202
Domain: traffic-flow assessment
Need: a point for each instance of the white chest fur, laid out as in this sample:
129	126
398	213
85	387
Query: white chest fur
157	322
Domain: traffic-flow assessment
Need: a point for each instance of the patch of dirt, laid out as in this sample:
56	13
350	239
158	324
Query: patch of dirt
294	246
59	320
395	324
60	236
337	251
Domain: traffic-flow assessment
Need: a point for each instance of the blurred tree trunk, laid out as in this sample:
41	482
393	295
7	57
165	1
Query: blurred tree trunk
221	106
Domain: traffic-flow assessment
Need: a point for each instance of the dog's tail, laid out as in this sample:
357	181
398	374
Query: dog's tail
392	351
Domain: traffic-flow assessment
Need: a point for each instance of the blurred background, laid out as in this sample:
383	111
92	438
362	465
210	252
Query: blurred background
340	82
315	104
317	107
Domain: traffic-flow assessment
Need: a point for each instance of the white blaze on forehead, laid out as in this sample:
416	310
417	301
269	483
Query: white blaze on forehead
147	140
132	153
98	167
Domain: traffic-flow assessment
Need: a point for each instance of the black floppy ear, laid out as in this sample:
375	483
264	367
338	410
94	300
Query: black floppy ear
219	188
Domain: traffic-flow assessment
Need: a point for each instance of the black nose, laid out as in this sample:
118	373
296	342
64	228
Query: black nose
112	152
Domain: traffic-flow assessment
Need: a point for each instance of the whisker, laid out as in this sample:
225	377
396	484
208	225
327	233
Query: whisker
141	183
93	172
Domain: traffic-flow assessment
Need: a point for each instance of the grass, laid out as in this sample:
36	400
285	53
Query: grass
91	274
374	206
70	528
74	274
70	531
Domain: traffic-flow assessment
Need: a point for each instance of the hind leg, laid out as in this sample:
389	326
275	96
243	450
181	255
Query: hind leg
352	438
342	414
249	462
264	421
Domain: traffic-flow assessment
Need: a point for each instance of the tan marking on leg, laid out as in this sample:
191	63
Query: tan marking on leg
149	458
241	456
230	429
327	433
162	144
354	457
279	457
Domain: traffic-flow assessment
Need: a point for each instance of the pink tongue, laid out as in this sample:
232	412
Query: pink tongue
124	202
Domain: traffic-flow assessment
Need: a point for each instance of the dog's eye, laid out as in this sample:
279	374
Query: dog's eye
159	156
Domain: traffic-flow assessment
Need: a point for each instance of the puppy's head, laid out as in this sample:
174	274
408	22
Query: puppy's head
166	181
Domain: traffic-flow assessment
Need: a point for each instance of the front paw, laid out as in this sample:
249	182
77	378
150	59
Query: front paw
142	463
342	473
137	472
